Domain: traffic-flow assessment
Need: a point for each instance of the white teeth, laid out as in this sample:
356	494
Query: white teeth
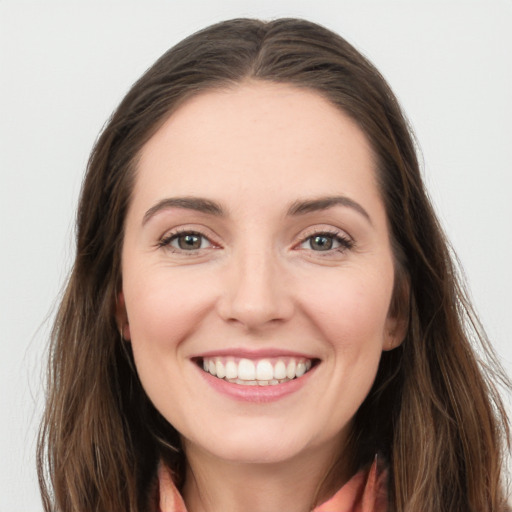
246	370
301	369
247	382
220	370
279	370
290	369
231	370
264	372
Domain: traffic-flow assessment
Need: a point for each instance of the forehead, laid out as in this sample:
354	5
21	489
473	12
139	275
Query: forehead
275	140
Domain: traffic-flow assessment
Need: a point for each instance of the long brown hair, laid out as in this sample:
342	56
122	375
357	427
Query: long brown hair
434	412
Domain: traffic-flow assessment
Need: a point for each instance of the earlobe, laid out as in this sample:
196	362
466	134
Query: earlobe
396	330
397	322
125	332
122	317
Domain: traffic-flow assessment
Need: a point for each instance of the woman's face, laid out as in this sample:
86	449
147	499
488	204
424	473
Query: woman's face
258	273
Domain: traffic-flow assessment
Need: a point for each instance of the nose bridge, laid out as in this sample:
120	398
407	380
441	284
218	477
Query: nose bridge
255	293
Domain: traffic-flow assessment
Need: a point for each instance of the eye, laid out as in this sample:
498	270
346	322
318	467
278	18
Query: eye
185	241
323	242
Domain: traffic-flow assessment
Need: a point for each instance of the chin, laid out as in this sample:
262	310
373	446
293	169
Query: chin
258	453
265	444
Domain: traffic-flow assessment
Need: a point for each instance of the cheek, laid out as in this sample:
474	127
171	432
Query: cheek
351	309
163	309
351	314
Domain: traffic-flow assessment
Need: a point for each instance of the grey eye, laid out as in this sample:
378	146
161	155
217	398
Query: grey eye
325	242
321	242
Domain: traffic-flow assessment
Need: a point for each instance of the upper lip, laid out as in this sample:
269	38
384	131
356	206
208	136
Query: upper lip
245	353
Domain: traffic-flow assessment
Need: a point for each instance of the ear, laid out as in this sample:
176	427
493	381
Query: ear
122	317
394	335
397	322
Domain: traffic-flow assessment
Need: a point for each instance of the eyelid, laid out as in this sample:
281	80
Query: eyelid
323	229
171	234
346	240
341	235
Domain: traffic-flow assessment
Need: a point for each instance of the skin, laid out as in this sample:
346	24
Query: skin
257	283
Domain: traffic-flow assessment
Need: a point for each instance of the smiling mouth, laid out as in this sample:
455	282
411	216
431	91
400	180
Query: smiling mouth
260	372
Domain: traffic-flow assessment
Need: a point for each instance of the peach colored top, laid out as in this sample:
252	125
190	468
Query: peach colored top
364	492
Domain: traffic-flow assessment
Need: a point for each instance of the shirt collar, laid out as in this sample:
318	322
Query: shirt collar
366	491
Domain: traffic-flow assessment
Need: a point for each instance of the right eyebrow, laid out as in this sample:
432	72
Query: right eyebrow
198	204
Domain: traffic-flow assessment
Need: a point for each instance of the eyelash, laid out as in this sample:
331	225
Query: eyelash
345	242
168	239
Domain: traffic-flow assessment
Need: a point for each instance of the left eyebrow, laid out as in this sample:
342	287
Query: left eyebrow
324	203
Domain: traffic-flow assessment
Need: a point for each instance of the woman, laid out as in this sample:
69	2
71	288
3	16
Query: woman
263	312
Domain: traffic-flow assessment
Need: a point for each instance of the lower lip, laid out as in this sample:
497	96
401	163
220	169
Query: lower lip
256	394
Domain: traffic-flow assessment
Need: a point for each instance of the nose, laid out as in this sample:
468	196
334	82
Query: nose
256	291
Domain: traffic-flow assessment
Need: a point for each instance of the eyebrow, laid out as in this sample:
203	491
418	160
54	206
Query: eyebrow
213	208
324	203
197	204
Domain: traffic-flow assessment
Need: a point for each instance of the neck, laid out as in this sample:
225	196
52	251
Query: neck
295	485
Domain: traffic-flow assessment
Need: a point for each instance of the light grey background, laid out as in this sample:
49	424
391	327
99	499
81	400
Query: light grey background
64	66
